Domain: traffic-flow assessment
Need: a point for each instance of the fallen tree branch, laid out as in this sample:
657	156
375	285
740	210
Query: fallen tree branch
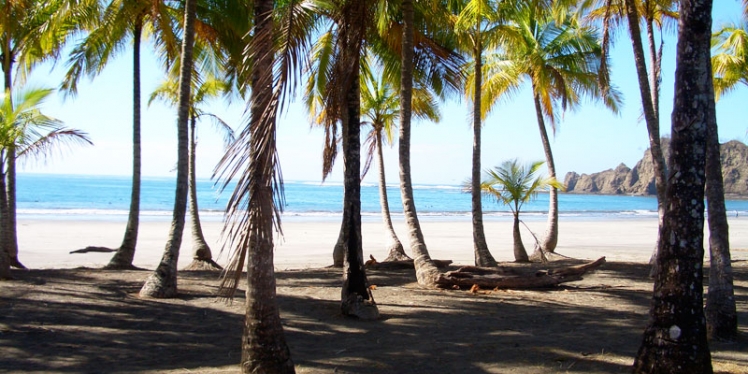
488	278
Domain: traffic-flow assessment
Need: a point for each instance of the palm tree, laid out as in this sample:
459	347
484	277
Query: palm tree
476	25
253	211
562	62
27	133
30	32
612	12
163	281
675	339
728	65
381	107
204	90
124	20
426	270
513	184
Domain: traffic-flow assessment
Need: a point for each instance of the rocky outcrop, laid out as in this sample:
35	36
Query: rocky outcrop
640	179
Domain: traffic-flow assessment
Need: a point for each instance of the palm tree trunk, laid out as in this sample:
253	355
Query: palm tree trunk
202	257
650	115
125	254
675	339
395	250
4	210
549	241
356	299
12	231
4	256
520	254
721	312
426	271
264	347
483	256
163	282
338	252
654	70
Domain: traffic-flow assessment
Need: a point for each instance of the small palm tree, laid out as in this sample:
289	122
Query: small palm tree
26	132
514	184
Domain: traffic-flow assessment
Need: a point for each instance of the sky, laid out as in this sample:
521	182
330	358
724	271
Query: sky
587	140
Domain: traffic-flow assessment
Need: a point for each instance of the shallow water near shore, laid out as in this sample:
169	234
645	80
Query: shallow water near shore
50	196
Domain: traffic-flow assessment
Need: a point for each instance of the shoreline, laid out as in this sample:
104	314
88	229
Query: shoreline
308	243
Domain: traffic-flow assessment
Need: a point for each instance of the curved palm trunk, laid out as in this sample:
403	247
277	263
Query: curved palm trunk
520	254
163	282
482	255
264	348
395	250
549	241
654	69
202	257
721	312
356	298
125	254
426	271
675	340
650	115
4	209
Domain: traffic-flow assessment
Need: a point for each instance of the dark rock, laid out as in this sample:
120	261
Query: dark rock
640	180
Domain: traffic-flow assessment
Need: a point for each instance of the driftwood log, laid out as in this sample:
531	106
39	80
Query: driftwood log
492	278
373	264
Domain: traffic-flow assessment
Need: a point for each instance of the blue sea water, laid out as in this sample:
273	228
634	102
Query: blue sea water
48	196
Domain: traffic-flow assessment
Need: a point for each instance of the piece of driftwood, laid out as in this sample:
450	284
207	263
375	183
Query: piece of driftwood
488	278
93	249
373	264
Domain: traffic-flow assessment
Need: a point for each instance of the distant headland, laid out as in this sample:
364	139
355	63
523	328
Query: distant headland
640	179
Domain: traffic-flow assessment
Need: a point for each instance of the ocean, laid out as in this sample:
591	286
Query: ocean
86	197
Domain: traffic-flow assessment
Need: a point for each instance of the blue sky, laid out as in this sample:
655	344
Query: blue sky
590	139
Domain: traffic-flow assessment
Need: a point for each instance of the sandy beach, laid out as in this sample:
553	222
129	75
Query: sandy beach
308	243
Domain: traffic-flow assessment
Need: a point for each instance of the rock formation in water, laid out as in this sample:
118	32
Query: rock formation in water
640	179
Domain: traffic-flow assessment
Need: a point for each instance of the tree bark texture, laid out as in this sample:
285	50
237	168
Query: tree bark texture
264	348
483	256
426	271
355	295
338	252
163	282
122	259
395	249
721	311
675	340
550	239
520	254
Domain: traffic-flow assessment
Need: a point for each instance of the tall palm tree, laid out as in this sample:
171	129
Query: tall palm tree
513	184
123	21
381	107
29	133
675	339
426	270
728	67
476	25
162	283
350	23
632	12
202	91
562	62
30	32
253	211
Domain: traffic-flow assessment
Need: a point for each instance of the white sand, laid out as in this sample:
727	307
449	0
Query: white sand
309	243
